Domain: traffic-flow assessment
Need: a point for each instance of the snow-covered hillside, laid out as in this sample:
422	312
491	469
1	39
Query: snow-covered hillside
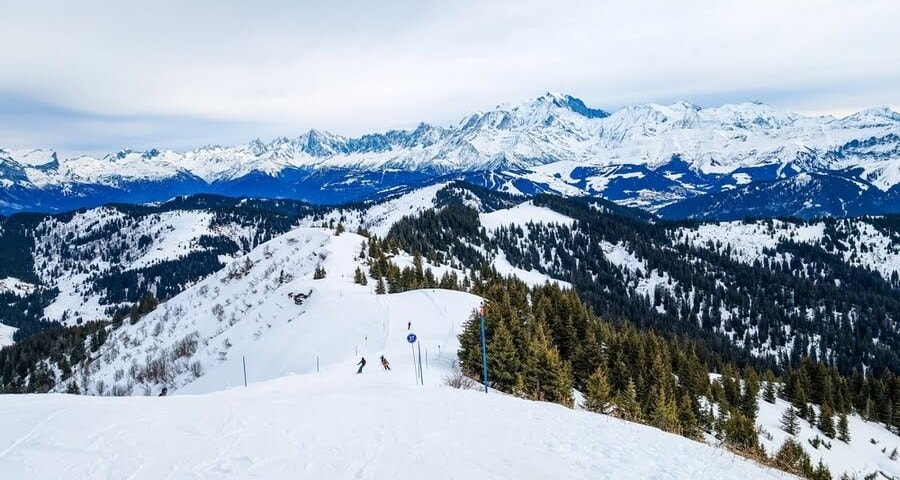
305	410
868	451
300	337
15	286
521	216
378	217
858	242
6	335
338	425
266	308
71	252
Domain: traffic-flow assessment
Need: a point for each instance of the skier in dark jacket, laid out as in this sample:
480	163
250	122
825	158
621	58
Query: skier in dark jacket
362	363
385	363
163	392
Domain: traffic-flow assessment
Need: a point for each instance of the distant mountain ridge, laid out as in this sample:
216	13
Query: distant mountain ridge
658	157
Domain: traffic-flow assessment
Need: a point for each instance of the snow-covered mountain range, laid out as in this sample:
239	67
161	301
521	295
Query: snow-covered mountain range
653	156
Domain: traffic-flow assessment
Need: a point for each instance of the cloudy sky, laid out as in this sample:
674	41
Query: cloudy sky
96	76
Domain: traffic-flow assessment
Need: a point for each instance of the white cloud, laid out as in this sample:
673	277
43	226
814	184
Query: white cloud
361	66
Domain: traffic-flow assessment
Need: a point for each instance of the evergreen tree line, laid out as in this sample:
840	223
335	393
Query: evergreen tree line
542	342
31	366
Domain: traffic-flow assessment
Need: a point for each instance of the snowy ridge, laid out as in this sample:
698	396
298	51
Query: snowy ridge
521	216
646	155
378	217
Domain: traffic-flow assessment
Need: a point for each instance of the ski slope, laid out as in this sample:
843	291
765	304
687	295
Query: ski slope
268	310
521	215
339	425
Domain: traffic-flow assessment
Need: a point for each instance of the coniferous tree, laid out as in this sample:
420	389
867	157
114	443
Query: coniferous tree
663	410
789	421
843	428
793	459
801	402
626	403
504	363
821	472
749	402
769	392
379	287
470	347
740	431
598	394
687	419
826	421
546	376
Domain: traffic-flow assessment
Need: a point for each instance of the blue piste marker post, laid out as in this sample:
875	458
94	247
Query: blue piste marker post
411	338
483	350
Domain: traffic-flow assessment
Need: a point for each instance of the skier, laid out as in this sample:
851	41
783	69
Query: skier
362	363
408	325
385	363
163	392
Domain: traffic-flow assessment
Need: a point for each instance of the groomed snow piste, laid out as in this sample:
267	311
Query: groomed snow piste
339	425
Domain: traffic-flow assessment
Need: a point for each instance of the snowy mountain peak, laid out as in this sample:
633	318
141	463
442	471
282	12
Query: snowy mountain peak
551	101
30	157
873	117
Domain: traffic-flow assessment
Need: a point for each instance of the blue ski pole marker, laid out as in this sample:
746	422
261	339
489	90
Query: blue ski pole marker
411	338
484	359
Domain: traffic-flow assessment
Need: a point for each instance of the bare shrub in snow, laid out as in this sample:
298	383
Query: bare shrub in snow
119	374
157	329
196	368
120	390
186	347
156	370
219	311
457	379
